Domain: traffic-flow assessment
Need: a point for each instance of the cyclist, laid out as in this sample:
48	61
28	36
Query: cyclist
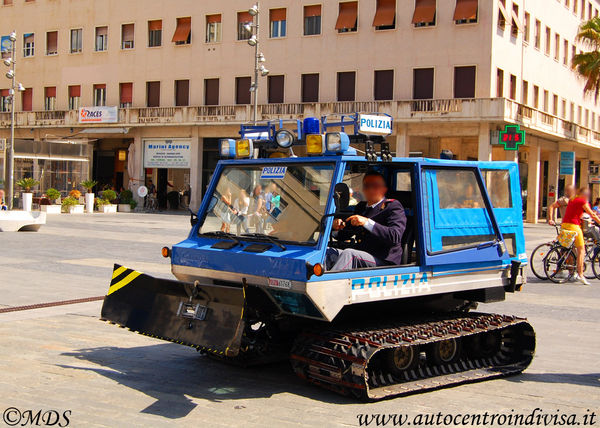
572	221
561	204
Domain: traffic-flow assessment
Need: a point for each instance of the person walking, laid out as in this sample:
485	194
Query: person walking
576	207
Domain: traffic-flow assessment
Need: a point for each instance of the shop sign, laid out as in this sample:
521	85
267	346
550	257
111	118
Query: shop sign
100	114
567	163
594	179
167	153
512	137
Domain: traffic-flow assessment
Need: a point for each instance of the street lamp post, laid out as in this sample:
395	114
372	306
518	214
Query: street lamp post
259	58
10	149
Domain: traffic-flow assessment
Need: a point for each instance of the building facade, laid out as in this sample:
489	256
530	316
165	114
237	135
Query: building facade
177	76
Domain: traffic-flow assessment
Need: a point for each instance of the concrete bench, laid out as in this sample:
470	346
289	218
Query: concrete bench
13	221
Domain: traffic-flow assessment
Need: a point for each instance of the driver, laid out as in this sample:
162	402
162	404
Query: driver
378	224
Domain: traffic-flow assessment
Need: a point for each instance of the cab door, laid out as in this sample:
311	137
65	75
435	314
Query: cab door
459	226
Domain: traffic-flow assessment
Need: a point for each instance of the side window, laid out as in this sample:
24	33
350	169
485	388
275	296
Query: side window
403	181
456	217
497	182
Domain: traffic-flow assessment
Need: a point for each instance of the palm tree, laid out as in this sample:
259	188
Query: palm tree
587	64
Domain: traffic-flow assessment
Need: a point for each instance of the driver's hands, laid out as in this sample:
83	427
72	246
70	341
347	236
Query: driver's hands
338	224
357	220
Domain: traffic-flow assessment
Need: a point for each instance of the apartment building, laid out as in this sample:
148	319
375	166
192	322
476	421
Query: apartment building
452	73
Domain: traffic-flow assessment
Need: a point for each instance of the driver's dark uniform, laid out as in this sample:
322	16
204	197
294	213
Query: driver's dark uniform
378	243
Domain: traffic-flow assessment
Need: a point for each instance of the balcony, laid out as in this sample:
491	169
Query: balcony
409	112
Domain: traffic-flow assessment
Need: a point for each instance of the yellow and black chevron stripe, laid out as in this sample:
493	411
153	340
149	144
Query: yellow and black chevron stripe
121	277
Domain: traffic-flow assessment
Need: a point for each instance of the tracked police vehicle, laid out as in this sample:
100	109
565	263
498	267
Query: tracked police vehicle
253	285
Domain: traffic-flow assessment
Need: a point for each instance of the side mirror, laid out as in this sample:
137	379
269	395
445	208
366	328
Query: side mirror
341	196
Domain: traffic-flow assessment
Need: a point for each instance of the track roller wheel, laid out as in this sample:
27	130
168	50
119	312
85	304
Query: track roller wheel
402	358
484	344
444	352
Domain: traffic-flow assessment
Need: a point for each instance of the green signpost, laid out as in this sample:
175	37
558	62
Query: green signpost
512	137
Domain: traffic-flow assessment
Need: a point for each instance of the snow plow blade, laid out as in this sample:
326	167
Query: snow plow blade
206	317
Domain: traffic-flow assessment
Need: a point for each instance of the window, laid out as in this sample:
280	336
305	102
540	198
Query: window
347	17
582	10
5	100
213	28
242	90
125	95
557	47
515	23
502	14
310	88
52	43
548	41
101	39
277	20
423	83
384	85
211	92
76	40
573	52
244	18
545	105
525	92
155	33
385	16
8	2
312	20
28	44
555	105
579	115
74	97
183	32
499	83
512	92
27	99
100	95
566	52
575	2
538	34
564	109
497	182
152	94
127	36
275	89
527	27
182	93
464	82
536	97
465	11
346	82
424	15
50	98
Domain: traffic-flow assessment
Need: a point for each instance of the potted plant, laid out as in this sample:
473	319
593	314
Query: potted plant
54	208
76	194
126	201
105	202
26	184
89	196
72	205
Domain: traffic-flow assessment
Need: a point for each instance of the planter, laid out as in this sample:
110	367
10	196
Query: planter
124	208
27	201
51	209
109	208
89	203
76	209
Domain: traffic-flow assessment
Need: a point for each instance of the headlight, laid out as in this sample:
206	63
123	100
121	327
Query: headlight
284	138
227	148
314	144
243	148
337	142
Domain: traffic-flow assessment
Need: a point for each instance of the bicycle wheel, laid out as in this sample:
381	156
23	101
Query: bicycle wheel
588	266
596	264
560	264
536	261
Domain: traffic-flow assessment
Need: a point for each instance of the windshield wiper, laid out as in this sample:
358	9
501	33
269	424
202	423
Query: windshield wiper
271	239
221	234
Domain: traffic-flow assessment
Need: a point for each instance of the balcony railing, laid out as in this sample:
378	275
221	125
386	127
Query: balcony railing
410	111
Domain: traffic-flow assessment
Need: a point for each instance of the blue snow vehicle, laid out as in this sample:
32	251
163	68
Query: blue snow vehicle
253	286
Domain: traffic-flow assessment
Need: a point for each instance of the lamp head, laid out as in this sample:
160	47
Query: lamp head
8	62
10	74
252	41
253	10
12	36
20	87
247	27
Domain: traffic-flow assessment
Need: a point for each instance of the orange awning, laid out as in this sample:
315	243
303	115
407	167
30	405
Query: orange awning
277	15
465	9
4	92
50	91
424	11
126	93
348	15
182	32
75	91
314	10
155	25
244	17
213	19
386	12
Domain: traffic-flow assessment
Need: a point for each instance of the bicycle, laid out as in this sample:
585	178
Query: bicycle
538	255
562	259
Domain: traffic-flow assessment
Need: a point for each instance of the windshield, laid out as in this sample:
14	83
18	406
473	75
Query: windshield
285	202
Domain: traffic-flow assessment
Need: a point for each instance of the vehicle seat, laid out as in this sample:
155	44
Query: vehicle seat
405	198
408	240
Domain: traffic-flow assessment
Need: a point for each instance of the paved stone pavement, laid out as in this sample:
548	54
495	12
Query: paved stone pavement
64	358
